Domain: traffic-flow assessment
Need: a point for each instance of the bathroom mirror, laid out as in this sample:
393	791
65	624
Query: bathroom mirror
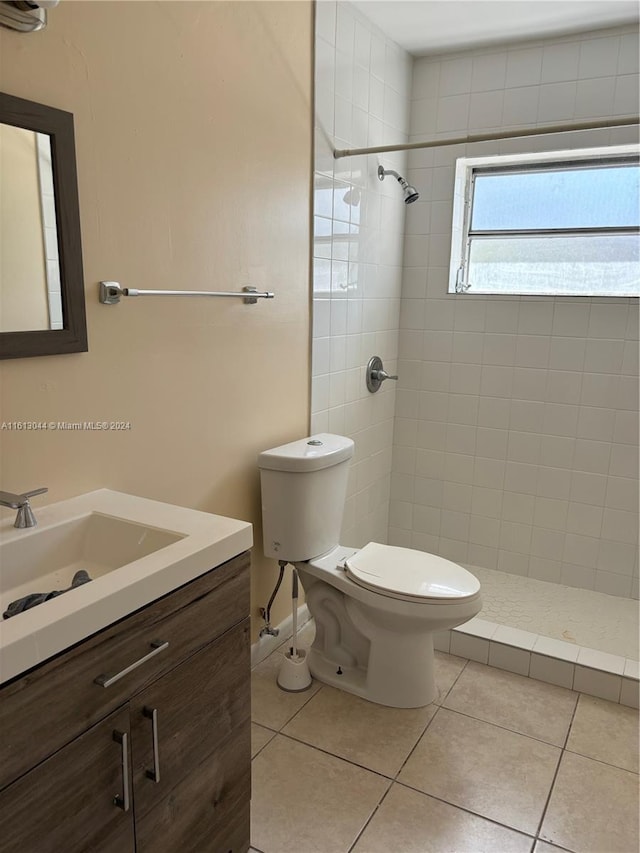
42	310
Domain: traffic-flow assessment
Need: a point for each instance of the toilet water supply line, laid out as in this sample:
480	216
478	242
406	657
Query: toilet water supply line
266	612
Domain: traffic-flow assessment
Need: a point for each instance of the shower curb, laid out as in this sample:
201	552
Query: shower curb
578	668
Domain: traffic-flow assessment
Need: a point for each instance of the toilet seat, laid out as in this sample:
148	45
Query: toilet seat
411	575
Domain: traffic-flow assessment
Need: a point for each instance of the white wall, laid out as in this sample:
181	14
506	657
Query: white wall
362	98
515	441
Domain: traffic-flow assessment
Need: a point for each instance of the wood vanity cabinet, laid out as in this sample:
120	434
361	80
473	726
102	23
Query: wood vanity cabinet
158	761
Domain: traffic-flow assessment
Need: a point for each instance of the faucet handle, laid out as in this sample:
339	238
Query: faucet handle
15	501
41	491
25	516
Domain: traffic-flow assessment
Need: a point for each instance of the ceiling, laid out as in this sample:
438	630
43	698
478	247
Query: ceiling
436	26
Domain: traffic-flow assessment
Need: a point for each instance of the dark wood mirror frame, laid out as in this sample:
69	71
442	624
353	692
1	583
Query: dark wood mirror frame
58	125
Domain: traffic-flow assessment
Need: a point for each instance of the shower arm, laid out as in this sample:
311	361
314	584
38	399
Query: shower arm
382	172
489	137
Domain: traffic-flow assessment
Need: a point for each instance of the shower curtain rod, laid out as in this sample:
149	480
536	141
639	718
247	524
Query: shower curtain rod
489	137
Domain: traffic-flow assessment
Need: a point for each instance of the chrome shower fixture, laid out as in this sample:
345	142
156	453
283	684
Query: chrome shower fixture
411	194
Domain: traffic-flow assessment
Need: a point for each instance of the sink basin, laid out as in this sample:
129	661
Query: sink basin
135	550
48	559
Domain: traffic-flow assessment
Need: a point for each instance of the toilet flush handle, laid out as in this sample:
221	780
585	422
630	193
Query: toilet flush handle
376	374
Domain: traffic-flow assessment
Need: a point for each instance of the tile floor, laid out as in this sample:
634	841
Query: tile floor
498	763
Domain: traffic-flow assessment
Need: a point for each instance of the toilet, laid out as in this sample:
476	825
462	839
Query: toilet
375	608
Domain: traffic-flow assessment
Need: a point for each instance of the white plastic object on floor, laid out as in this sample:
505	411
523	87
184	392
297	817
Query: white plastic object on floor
294	675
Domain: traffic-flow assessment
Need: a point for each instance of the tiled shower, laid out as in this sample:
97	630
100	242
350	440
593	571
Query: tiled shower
511	440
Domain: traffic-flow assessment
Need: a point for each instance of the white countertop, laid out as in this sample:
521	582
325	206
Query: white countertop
41	632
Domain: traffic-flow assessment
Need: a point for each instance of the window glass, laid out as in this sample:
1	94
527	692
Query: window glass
578	265
574	198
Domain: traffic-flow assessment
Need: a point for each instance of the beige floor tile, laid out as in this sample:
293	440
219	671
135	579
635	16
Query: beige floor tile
543	847
259	737
447	669
494	772
605	731
305	801
271	706
521	704
374	736
410	822
593	807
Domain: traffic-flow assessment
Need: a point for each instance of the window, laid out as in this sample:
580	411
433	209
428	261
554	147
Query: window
565	223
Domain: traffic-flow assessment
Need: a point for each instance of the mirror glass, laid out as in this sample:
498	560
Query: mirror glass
42	308
29	259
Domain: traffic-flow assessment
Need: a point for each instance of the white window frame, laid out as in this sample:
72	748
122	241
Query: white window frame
467	167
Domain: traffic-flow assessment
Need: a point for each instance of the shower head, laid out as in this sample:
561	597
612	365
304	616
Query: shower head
411	194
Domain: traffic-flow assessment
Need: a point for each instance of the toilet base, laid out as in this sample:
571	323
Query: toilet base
373	646
383	682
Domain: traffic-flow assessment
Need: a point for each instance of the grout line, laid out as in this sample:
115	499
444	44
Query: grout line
499	726
573	716
600	761
413	749
371	816
555	775
548	800
339	757
262	726
438	707
467	810
264	745
295	714
455	681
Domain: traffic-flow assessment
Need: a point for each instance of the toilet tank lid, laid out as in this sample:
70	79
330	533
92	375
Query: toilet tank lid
308	454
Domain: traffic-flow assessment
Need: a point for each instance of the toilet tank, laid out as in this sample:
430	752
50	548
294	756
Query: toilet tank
304	486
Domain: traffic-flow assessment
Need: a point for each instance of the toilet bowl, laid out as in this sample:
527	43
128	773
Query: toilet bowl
375	608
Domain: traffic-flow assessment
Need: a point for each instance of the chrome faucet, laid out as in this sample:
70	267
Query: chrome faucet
25	516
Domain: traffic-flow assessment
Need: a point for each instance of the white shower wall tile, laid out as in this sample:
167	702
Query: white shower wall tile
530	401
365	82
545	376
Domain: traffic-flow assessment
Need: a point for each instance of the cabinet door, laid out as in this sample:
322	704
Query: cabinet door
73	802
191	753
188	619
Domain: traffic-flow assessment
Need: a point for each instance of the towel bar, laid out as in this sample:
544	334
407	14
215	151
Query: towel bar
110	293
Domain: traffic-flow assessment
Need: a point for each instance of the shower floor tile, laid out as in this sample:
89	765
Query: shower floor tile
579	616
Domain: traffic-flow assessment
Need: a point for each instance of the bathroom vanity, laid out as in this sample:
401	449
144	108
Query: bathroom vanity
137	736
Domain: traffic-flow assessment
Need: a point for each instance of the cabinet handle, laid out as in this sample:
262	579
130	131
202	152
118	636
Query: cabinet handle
152	714
123	801
107	680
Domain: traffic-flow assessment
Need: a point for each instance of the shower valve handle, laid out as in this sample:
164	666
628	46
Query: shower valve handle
376	374
381	375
